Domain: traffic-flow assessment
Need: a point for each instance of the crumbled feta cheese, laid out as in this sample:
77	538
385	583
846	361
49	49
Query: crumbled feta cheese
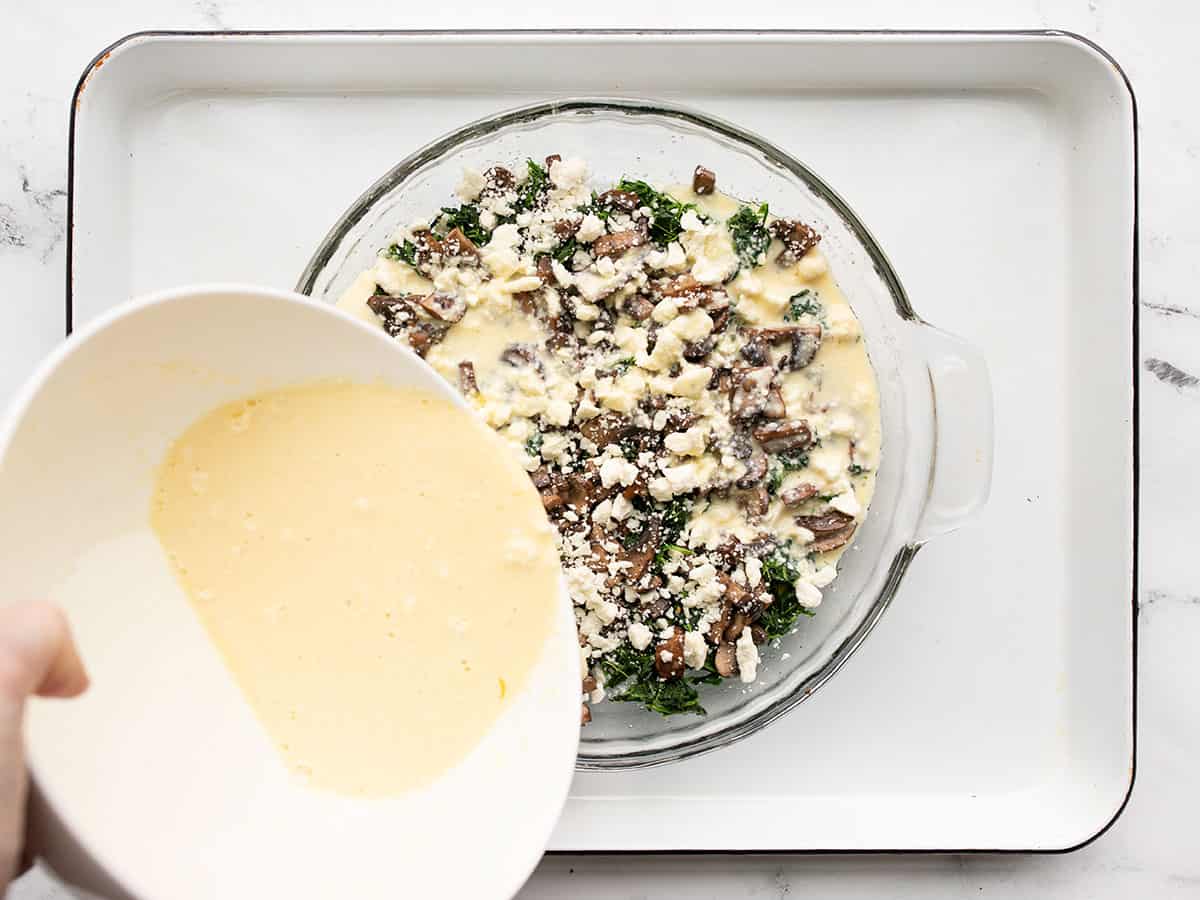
823	577
753	567
639	636
617	471
807	594
567	173
747	657
687	443
621	508
471	184
846	503
812	265
695	650
665	310
589	229
691	382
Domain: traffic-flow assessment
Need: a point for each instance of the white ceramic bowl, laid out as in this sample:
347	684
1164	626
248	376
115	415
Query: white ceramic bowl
159	782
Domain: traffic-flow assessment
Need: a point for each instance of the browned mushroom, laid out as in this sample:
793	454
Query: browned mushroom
517	355
552	159
720	318
806	341
794	496
444	307
832	540
755	501
756	469
725	659
751	388
774	408
545	269
758	633
616	244
668	656
780	437
797	239
828	522
697	351
396	313
458	244
585	714
684	289
466	378
641	554
589	684
565	228
498	179
607	428
704	181
526	302
639	307
426	246
424	335
627	201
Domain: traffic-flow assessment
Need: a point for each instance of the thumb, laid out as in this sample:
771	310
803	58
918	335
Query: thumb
37	654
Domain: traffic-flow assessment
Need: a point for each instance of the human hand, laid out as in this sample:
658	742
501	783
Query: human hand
37	656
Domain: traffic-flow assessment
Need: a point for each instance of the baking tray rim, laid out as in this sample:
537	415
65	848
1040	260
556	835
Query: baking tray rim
1042	33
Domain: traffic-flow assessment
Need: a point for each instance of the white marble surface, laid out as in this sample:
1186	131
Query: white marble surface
1154	849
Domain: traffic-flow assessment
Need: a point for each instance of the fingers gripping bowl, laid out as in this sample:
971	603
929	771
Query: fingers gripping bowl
934	398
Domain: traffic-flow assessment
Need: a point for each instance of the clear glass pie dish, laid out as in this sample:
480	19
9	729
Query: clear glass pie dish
935	396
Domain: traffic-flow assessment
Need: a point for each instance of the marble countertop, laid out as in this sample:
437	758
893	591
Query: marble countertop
1153	849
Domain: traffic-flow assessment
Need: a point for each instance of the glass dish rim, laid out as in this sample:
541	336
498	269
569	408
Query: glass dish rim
481	128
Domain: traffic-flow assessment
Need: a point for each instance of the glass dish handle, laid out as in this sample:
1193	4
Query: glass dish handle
961	475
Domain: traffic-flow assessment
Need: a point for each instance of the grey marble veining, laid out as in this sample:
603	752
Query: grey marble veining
1152	849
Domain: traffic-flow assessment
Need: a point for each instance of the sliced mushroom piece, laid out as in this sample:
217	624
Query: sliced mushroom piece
668	656
755	501
444	307
756	470
832	540
565	228
607	428
552	159
750	390
806	341
758	633
704	181
725	660
466	378
458	244
697	351
396	313
427	246
797	239
780	437
498	177
589	684
794	496
626	201
754	351
545	269
774	408
742	447
641	555
828	522
526	302
737	624
517	355
639	307
615	244
720	318
424	335
585	714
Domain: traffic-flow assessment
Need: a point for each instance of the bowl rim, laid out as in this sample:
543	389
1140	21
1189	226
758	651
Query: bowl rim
480	128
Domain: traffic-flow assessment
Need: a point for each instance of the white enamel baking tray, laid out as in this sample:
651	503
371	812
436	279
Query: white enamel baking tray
993	707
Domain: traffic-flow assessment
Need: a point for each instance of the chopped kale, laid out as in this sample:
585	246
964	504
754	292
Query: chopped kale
625	663
466	219
405	253
665	210
621	366
748	228
667	698
780	573
565	250
537	183
533	446
804	303
856	469
781	464
596	208
711	675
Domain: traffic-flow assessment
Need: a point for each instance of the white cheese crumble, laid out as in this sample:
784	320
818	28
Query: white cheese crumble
747	657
